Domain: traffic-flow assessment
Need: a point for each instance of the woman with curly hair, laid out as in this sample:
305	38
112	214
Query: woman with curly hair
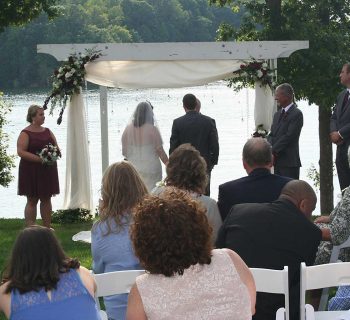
122	189
41	282
187	170
185	278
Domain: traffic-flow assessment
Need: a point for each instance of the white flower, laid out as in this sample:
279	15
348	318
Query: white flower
264	65
75	82
259	73
68	75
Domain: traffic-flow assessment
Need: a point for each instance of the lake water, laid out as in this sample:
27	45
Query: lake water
232	111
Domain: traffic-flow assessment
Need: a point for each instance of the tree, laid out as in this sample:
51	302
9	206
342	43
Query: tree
313	72
18	12
6	160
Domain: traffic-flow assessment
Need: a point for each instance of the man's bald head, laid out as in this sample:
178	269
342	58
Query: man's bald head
301	194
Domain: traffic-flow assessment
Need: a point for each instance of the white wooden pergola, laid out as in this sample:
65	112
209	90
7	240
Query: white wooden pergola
171	65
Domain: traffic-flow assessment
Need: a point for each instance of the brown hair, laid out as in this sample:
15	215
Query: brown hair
170	233
36	261
189	101
143	114
187	169
122	188
32	111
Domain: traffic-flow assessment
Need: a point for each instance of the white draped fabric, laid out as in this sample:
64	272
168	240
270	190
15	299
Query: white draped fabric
159	74
264	106
139	74
78	183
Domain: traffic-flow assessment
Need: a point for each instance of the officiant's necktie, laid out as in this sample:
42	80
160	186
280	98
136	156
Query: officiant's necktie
281	115
346	98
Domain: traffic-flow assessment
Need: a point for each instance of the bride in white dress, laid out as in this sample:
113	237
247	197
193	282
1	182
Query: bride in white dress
143	146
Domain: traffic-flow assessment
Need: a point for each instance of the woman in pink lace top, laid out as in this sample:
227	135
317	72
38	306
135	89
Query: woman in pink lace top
185	278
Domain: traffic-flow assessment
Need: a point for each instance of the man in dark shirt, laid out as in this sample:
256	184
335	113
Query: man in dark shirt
274	235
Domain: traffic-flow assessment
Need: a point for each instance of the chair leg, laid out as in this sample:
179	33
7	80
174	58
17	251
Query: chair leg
324	299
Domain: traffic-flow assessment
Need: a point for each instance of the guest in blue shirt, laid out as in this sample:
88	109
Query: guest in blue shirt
122	189
341	300
41	282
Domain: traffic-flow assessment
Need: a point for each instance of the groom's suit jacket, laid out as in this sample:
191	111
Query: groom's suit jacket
198	130
284	137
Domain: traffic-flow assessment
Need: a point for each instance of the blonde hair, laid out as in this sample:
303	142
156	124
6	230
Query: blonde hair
32	111
122	189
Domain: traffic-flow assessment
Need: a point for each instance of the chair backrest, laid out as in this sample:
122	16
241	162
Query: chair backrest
334	258
336	250
273	281
322	276
116	282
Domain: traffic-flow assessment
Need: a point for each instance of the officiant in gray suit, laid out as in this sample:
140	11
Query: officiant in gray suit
340	128
285	132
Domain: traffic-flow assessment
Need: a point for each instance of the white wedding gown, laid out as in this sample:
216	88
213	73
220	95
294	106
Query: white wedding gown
140	148
147	163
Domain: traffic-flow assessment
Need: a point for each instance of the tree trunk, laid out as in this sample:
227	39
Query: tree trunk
326	161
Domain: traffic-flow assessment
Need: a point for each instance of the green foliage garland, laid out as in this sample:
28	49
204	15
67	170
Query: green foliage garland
71	216
251	72
6	160
68	79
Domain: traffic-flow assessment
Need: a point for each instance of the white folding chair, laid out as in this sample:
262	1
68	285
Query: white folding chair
321	276
273	281
116	282
333	259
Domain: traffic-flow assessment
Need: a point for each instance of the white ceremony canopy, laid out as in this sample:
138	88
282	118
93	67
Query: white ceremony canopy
149	65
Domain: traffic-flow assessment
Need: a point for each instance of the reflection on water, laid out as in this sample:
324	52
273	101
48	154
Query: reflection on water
232	111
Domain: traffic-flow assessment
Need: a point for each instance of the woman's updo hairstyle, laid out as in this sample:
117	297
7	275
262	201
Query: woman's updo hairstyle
32	111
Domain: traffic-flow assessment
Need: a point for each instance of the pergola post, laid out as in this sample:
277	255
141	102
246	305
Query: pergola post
104	128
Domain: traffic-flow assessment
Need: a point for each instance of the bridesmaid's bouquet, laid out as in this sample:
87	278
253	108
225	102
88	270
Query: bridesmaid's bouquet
49	154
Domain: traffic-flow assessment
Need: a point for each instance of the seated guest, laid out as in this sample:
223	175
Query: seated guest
259	186
122	188
187	170
341	300
274	235
335	230
185	278
41	282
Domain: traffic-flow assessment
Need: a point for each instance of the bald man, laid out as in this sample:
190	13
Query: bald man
274	235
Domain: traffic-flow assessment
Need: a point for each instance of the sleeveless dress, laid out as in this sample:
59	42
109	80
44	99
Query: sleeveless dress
70	301
36	179
213	291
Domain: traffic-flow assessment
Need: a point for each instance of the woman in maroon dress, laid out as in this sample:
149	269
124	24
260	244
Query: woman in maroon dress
36	180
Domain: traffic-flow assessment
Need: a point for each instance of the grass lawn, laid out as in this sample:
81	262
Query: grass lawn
9	228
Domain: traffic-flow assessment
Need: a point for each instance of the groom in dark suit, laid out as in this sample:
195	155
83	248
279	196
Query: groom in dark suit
285	131
340	128
198	130
259	186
